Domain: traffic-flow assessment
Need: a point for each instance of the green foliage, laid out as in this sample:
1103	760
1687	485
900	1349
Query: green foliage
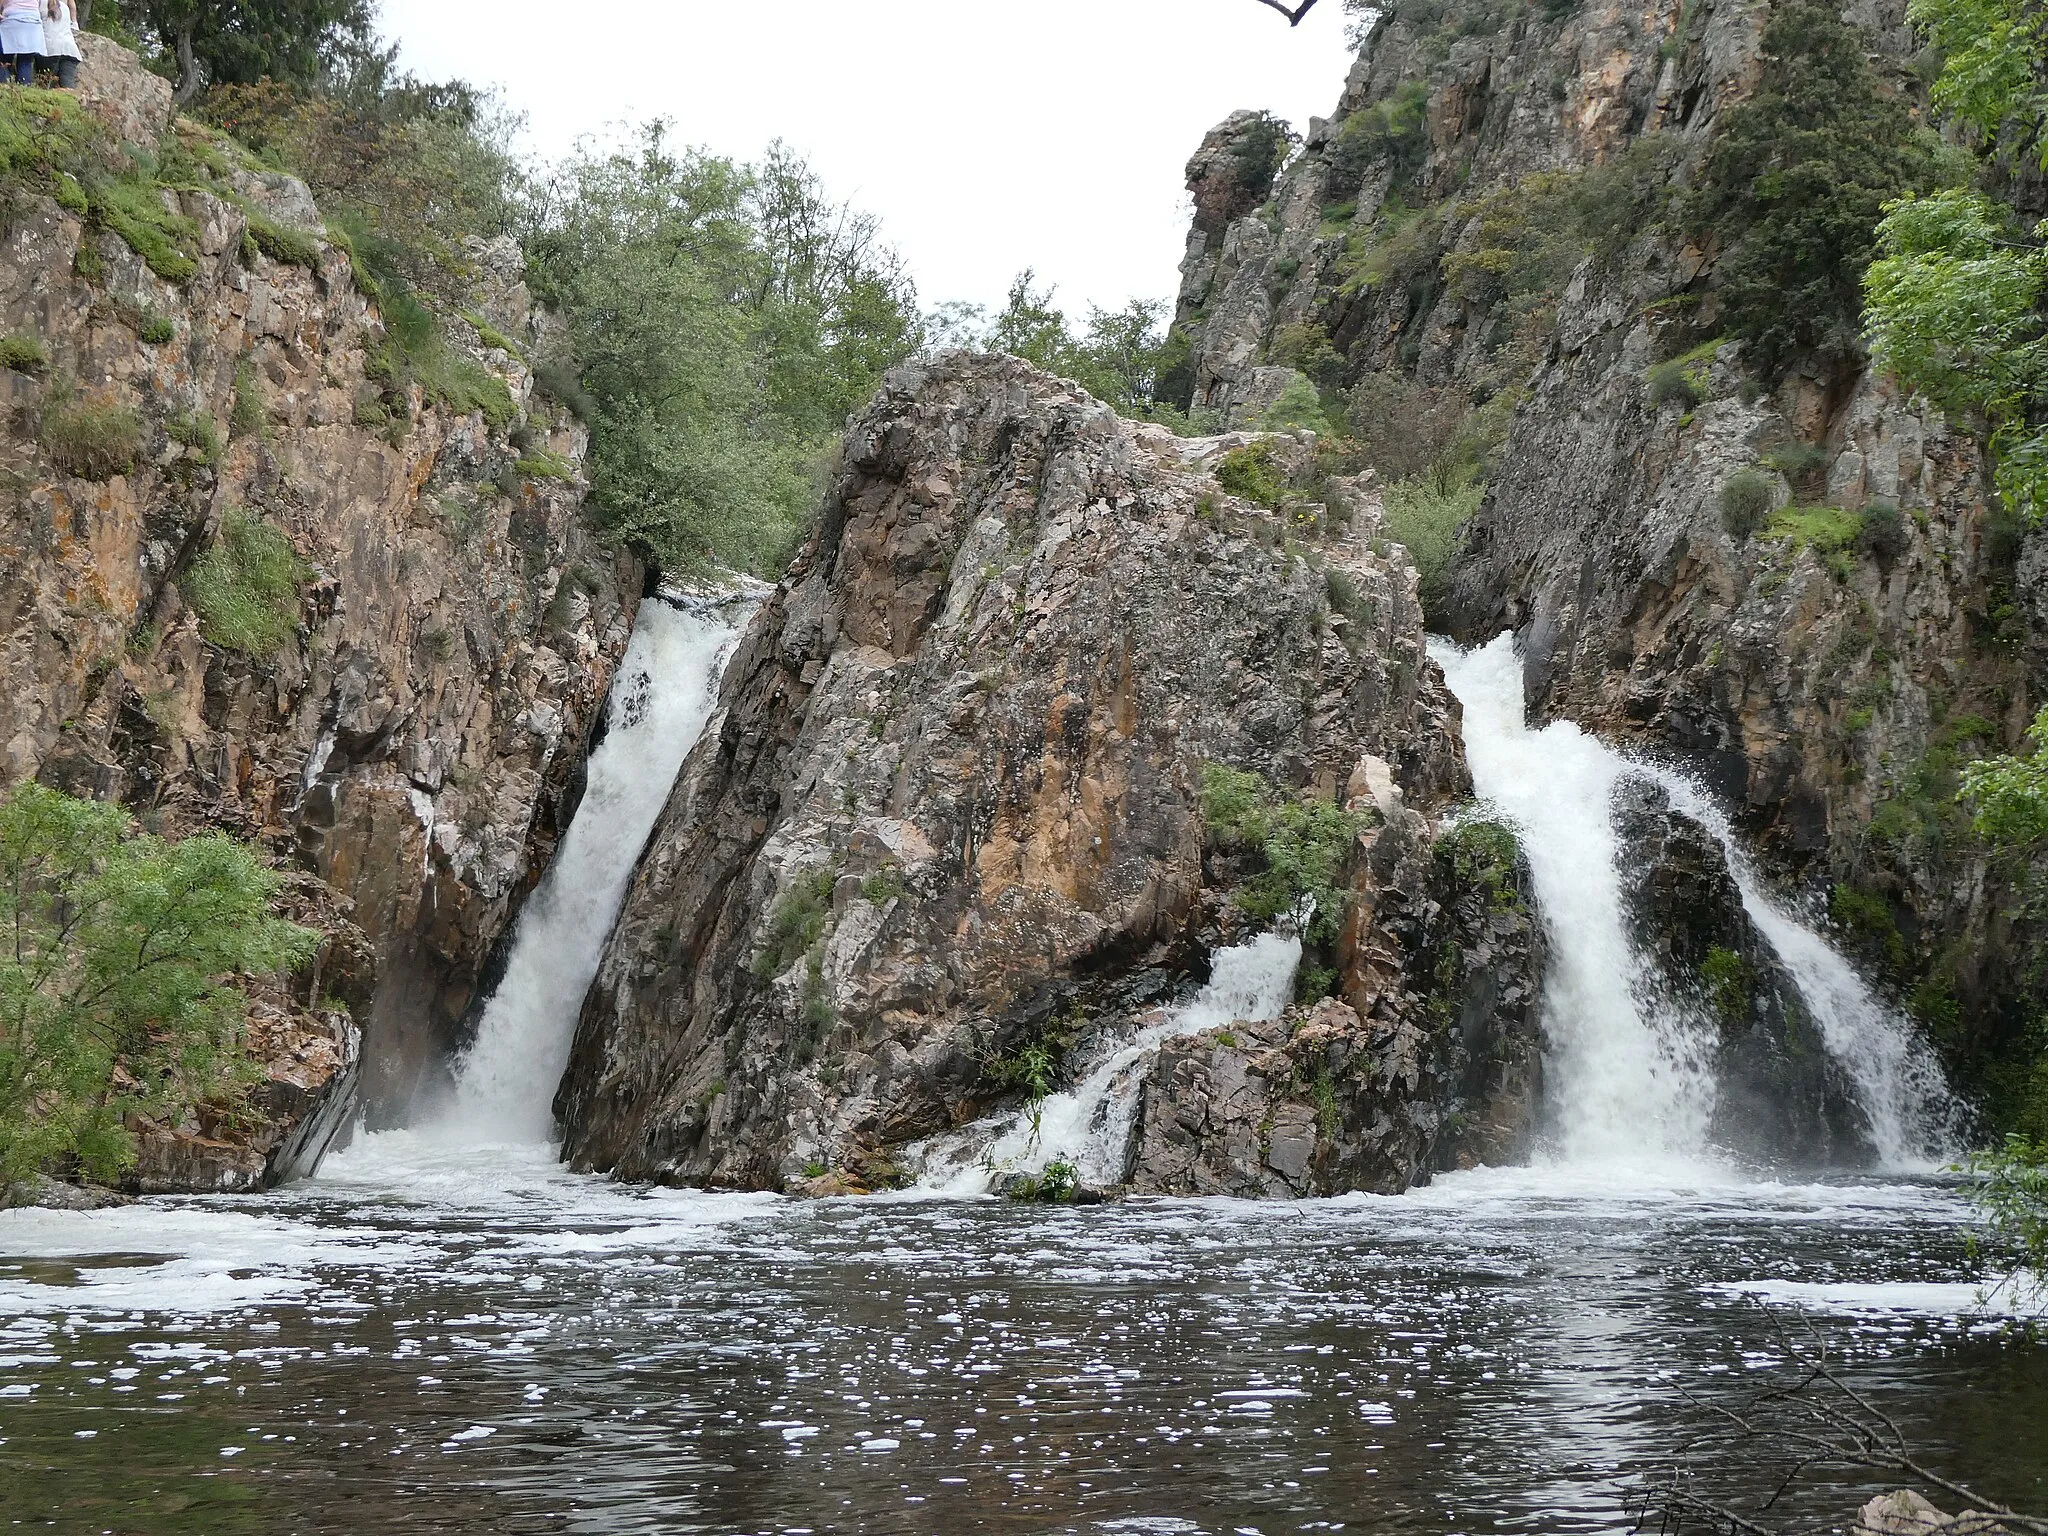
1867	917
24	354
1428	517
154	329
1827	530
1746	502
1301	844
92	439
1990	81
120	989
1298	407
246	587
1795	184
243	41
540	464
195	429
2008	795
44	135
134	209
724	320
1306	346
1482	854
1882	535
797	924
1677	381
293	247
2010	1187
247	418
1953	312
1729	985
1253	473
1393	134
1053	1184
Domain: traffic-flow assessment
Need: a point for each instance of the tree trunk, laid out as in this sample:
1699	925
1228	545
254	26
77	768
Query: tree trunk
188	67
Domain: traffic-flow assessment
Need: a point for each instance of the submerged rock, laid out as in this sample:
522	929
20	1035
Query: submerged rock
945	827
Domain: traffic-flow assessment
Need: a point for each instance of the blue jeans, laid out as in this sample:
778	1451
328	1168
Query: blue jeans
25	69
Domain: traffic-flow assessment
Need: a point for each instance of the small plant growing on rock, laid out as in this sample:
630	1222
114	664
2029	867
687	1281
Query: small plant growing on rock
247	420
1746	502
1729	985
195	429
1483	854
1300	844
1253	473
246	588
92	439
155	330
797	923
1054	1184
24	354
1677	380
1883	536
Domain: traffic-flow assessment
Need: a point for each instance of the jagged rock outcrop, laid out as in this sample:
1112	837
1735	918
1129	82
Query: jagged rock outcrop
415	740
1826	676
1432	1057
1779	1094
948	806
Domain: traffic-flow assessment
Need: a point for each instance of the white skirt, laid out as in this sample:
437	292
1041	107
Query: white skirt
18	37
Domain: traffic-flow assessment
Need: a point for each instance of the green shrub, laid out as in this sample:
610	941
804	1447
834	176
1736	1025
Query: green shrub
247	419
1299	407
154	329
1301	844
246	588
45	136
1253	473
24	354
1794	185
1677	381
1800	463
1883	534
1729	985
92	439
796	924
543	465
122	982
195	429
1052	1185
1429	518
1827	530
1482	854
1746	502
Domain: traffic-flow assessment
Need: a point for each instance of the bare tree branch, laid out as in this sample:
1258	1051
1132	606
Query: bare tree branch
1293	13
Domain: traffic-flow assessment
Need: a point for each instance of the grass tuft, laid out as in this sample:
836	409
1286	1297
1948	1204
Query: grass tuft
246	588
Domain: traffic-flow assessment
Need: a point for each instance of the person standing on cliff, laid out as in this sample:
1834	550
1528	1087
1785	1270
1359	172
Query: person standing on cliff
21	38
60	41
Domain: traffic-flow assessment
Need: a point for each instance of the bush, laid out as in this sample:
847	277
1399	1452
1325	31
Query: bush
1298	408
247	418
1253	473
121	986
1828	530
91	439
1485	855
292	247
246	588
1301	844
797	923
1746	502
24	354
1429	517
195	429
154	329
1883	535
134	210
1794	186
1676	381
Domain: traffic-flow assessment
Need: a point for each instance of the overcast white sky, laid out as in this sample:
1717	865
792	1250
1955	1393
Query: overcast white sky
988	135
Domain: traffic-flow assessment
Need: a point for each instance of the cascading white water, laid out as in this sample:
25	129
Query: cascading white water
1630	1072
1630	1080
1089	1126
663	694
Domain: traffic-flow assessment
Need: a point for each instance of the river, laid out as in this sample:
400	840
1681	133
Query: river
447	1331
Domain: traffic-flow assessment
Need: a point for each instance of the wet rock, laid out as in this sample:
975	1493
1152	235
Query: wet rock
1906	1513
1780	1094
55	1195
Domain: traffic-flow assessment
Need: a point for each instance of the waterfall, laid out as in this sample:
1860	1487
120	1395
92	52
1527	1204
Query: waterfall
1630	1076
663	694
1089	1126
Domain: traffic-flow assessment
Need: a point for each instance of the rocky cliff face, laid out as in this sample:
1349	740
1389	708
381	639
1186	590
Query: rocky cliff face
414	736
948	812
1471	245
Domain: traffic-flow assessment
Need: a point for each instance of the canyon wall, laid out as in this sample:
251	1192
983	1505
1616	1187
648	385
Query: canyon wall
411	737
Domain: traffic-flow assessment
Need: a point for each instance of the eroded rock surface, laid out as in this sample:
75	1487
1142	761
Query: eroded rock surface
417	741
948	805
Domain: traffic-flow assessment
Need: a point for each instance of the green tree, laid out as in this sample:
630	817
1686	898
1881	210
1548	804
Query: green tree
1794	186
723	320
220	42
119	979
1990	81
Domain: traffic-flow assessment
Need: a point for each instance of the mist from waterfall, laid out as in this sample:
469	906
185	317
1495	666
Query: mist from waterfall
1630	1078
666	687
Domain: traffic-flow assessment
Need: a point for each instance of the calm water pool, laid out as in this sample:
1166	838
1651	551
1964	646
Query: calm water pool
471	1340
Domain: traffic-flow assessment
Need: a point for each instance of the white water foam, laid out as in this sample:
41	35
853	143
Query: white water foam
664	692
1631	1073
1090	1125
1631	1080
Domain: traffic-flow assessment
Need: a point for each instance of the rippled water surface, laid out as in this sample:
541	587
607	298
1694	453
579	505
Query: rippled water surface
475	1341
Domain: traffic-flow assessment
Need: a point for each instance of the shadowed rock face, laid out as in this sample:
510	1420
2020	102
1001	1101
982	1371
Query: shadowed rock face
416	744
949	802
1780	1093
